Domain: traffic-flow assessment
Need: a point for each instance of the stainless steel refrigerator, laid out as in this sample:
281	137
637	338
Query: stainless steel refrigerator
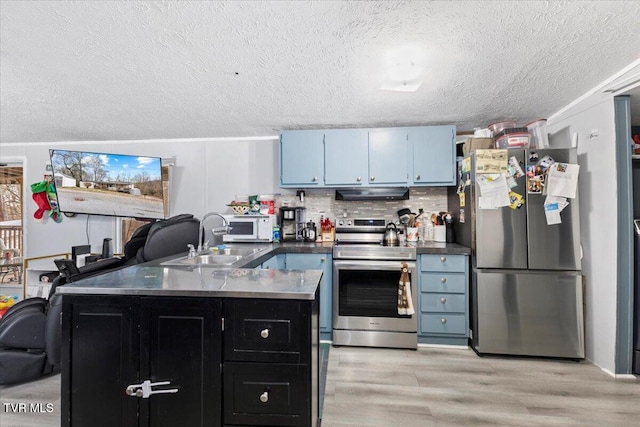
526	290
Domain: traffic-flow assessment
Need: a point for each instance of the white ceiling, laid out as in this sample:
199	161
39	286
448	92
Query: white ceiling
115	70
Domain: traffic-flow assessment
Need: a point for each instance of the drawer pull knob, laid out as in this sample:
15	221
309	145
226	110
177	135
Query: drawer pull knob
373	178
322	259
314	179
264	397
264	333
417	177
443	300
443	258
358	179
443	280
443	320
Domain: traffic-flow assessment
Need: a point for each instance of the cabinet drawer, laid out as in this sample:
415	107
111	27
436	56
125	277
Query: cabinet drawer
442	303
265	331
443	282
266	394
443	323
444	263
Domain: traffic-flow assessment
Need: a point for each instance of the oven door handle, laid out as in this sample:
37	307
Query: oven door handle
372	265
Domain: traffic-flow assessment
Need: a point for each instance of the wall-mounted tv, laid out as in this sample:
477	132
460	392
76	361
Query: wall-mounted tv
108	184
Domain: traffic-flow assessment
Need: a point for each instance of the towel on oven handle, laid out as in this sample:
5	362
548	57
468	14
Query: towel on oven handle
405	303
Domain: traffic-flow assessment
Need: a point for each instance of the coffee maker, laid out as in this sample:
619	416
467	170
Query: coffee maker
292	223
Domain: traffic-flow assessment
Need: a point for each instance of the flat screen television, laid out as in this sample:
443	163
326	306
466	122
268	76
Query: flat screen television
108	184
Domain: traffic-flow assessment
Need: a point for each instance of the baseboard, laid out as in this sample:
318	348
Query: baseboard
453	347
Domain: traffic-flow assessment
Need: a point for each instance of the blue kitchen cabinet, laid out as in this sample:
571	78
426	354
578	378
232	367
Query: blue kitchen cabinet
318	262
346	154
388	156
443	302
276	262
302	158
433	157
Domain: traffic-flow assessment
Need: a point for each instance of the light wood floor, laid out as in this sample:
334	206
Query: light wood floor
430	387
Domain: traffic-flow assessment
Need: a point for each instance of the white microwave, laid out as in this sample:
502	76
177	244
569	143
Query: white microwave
250	228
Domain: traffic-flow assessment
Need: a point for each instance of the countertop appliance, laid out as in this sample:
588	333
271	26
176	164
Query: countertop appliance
292	223
365	287
526	290
249	228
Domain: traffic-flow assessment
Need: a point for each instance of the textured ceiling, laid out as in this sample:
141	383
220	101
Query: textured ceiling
111	70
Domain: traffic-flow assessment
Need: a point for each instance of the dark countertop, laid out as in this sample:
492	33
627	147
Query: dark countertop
179	276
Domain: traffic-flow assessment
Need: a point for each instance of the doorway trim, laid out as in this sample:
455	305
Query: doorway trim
22	161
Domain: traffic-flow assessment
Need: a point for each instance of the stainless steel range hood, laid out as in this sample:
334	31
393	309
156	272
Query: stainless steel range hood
376	193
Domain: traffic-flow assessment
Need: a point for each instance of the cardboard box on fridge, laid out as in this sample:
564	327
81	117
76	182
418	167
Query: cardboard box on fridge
472	144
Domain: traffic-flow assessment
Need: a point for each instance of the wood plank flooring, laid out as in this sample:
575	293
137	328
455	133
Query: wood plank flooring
429	387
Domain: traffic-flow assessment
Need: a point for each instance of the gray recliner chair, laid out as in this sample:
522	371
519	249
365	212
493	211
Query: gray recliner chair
30	333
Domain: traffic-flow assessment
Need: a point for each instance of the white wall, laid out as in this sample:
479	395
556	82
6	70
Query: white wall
598	213
206	176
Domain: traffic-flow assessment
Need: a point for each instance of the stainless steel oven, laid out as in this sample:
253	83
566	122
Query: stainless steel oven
365	296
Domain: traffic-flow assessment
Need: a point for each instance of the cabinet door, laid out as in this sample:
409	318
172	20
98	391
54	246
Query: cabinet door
388	156
181	343
346	156
302	158
318	262
100	358
276	262
434	155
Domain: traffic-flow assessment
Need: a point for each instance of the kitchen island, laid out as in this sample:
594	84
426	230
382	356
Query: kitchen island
191	345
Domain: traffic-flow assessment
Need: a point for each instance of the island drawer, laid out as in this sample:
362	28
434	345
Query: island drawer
266	394
443	303
265	331
444	263
443	282
443	323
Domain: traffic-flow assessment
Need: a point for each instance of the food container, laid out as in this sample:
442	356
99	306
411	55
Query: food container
496	128
511	130
539	135
267	204
513	140
239	209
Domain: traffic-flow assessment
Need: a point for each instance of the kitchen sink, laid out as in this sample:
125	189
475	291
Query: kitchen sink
220	256
209	259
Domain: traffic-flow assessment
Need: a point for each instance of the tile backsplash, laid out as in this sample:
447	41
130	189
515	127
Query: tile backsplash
317	202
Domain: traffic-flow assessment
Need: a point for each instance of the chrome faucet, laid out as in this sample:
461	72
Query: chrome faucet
217	231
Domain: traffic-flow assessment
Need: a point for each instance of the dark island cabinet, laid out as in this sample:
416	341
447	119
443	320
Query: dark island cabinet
270	371
113	345
189	361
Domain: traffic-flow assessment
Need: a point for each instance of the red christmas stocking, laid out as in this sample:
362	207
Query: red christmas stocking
40	197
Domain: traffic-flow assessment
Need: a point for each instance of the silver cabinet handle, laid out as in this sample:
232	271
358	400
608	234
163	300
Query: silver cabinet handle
443	320
145	389
417	177
443	258
322	260
314	179
264	397
443	280
358	179
373	178
443	300
264	333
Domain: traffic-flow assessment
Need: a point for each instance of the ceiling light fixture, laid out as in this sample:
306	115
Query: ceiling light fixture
403	70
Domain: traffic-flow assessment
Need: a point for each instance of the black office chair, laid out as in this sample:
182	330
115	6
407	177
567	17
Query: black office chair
30	333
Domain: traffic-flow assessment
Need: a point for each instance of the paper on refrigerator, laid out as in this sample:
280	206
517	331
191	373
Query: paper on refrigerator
553	205
494	191
562	180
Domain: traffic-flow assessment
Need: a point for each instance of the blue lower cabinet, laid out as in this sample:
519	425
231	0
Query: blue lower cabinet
276	262
318	262
444	299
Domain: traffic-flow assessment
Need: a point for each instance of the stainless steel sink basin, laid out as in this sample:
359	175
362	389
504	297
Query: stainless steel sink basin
208	260
222	257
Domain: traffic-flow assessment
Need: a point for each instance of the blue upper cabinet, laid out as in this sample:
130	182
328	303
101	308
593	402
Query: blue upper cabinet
434	155
346	157
388	156
404	156
302	158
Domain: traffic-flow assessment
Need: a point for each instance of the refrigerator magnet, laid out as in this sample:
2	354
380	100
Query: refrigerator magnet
462	200
461	217
514	167
534	185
